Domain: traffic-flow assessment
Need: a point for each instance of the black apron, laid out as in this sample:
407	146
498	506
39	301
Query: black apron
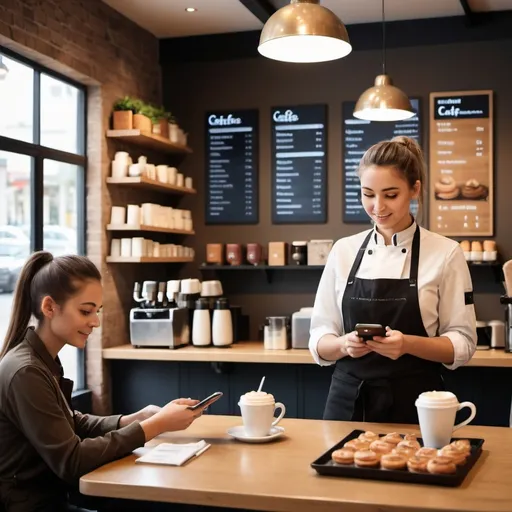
375	388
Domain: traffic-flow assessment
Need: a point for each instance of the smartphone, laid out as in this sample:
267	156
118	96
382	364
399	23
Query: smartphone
207	401
368	331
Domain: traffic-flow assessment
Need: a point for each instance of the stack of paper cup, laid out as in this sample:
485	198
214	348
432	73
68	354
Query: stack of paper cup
120	164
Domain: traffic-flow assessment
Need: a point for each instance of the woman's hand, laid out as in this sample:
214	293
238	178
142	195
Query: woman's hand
392	345
354	346
143	414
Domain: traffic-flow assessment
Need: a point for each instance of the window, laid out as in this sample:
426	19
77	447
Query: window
42	177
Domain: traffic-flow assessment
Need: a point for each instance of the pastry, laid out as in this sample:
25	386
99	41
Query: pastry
343	456
369	436
417	464
465	245
393	461
458	457
441	466
476	246
489	245
357	444
404	450
446	188
366	459
462	444
473	190
381	447
410	437
394	438
429	453
413	445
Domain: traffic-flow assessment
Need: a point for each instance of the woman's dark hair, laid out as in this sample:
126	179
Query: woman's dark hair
43	275
405	155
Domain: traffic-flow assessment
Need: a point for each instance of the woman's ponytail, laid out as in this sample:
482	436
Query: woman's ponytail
22	301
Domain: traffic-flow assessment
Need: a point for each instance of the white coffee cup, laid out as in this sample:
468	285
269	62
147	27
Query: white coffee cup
117	215
258	409
133	215
436	413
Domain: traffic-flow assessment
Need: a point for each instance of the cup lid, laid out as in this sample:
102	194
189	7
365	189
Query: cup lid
437	399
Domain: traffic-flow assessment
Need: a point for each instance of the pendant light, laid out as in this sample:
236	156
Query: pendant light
383	101
3	69
304	31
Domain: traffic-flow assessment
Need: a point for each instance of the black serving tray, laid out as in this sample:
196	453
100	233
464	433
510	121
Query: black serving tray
324	465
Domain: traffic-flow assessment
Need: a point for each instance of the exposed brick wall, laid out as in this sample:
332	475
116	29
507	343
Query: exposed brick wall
90	42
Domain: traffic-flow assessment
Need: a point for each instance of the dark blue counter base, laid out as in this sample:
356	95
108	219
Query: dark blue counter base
301	387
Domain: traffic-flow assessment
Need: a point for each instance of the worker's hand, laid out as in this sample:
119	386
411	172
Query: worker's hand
353	346
392	345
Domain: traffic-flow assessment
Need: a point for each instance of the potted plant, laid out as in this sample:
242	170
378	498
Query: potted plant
160	123
142	117
122	118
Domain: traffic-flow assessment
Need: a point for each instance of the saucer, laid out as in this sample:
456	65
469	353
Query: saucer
239	434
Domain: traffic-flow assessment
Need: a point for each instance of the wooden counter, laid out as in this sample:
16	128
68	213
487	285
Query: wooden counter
277	476
253	352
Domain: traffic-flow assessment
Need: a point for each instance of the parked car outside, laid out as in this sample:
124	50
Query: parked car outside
12	260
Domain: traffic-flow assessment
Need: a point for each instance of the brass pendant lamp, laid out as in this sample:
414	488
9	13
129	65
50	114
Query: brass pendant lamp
304	31
383	101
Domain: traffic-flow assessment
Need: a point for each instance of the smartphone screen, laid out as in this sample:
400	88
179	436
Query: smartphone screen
207	401
368	331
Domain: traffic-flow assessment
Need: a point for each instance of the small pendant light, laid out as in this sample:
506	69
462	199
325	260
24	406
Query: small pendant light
304	31
383	101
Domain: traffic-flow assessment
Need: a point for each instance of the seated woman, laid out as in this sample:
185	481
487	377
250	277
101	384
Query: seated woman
45	446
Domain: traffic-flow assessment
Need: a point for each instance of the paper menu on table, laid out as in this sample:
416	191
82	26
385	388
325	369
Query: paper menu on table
172	454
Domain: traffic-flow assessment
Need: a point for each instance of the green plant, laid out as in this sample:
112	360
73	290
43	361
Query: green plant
125	104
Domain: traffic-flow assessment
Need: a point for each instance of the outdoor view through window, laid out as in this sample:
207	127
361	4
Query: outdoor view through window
47	113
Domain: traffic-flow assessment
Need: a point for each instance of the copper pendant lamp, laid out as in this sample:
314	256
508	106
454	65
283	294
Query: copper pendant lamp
383	101
304	31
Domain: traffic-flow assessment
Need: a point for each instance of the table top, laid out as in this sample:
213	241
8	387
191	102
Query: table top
277	476
253	352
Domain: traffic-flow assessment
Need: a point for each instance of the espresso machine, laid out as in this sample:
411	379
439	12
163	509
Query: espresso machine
156	321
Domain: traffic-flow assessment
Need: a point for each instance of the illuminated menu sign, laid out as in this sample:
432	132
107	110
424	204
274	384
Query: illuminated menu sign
299	170
358	136
232	167
461	164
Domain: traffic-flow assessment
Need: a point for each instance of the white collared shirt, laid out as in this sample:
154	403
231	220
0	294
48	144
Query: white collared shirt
443	280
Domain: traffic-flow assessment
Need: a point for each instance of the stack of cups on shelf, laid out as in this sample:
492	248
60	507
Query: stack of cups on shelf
138	247
474	251
154	215
123	166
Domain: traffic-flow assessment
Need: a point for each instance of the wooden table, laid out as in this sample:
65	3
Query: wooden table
277	476
253	352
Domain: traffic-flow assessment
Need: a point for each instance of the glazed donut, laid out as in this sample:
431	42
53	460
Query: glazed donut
428	453
368	436
449	195
343	456
445	185
405	451
458	457
417	464
462	445
366	459
356	445
393	461
394	438
381	447
441	466
413	445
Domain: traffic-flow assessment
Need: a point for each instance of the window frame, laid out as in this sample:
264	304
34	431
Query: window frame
41	153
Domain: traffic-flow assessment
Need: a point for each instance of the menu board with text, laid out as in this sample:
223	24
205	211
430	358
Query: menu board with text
232	167
299	174
461	163
358	136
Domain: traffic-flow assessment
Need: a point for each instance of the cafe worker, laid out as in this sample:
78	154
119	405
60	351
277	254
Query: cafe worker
413	282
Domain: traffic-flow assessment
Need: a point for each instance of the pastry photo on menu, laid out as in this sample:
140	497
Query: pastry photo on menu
447	189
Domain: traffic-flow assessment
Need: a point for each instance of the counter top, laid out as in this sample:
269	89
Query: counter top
277	476
253	352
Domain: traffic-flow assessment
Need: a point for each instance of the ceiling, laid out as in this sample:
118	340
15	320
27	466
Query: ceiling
168	18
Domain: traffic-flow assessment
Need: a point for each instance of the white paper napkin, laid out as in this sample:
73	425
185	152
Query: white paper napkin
173	454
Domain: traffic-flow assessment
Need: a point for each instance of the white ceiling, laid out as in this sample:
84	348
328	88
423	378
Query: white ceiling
168	18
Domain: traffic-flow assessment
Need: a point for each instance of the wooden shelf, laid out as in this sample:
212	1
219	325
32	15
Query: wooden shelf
146	183
146	259
149	229
260	267
253	352
148	140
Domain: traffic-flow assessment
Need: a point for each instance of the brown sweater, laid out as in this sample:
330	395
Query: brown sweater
40	436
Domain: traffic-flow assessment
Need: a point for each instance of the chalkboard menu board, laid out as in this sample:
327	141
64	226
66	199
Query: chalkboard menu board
461	163
299	176
358	136
232	167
